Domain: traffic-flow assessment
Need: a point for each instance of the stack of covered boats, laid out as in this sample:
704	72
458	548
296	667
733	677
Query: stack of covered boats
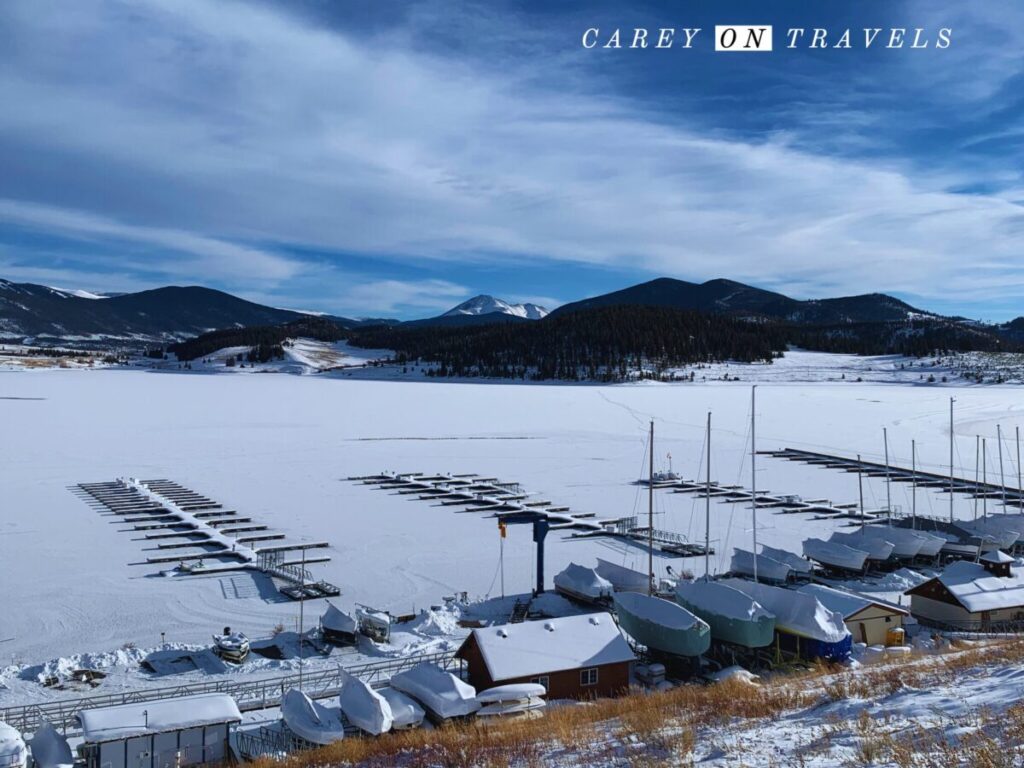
872	545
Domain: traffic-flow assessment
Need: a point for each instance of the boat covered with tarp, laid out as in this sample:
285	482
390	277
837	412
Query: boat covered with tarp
364	707
622	579
583	584
746	563
337	627
441	693
310	720
803	624
834	555
797	565
662	625
732	616
878	547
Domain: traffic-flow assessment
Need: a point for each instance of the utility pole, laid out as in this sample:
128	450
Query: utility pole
984	478
977	466
302	615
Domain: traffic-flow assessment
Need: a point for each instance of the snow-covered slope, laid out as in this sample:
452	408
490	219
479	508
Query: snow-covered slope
486	305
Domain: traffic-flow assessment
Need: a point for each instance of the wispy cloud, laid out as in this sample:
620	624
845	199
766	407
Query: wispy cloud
200	128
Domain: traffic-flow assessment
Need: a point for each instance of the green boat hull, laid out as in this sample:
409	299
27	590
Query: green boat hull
678	641
755	633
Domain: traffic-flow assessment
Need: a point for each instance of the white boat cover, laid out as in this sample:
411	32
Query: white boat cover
374	617
440	692
720	598
878	548
906	543
835	554
13	753
578	580
49	749
1005	530
511	692
622	579
406	713
796	612
309	720
336	620
767	567
512	707
137	719
796	563
366	709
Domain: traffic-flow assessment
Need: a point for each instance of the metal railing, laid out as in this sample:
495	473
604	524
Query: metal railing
249	694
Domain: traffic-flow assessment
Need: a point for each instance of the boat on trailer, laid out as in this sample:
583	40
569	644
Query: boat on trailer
662	625
583	585
878	549
906	544
337	627
231	646
732	616
836	556
406	712
623	579
799	566
309	720
364	707
746	563
803	624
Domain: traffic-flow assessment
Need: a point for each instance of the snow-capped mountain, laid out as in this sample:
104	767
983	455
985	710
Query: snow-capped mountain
486	305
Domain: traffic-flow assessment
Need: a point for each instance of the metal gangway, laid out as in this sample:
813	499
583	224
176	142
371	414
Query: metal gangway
249	694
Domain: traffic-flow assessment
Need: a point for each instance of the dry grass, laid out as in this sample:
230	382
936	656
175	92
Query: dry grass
648	729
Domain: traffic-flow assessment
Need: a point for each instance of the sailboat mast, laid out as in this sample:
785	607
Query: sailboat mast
707	507
913	483
888	480
753	470
977	468
951	400
650	518
860	489
1019	486
984	478
1002	477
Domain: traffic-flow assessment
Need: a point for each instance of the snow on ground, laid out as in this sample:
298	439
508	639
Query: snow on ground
277	448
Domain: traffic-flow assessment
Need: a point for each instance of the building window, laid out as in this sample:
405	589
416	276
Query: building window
888	619
588	676
542	680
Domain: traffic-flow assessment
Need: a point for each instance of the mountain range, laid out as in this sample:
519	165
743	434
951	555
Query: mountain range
173	312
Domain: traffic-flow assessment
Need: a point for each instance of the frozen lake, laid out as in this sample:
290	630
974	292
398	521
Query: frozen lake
277	447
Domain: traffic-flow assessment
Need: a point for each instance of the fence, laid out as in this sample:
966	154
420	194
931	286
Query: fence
249	694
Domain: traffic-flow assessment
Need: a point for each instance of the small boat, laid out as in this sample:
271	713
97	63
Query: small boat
364	707
512	699
835	555
583	585
374	623
309	720
662	625
803	624
231	646
13	753
878	549
660	478
622	579
798	565
441	693
49	749
732	616
768	569
405	712
337	627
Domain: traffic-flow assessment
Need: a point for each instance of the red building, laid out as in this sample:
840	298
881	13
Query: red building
573	657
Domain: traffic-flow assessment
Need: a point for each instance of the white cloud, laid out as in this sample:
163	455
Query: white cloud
391	296
261	128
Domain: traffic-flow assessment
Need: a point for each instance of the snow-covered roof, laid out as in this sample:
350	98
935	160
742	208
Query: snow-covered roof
978	590
124	720
997	556
846	603
540	647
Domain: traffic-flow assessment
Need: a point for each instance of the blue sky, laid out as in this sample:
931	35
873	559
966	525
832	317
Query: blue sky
396	158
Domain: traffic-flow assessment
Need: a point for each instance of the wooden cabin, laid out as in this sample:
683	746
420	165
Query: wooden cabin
870	621
573	657
986	596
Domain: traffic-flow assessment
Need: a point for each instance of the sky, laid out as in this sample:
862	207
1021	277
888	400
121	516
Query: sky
393	159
